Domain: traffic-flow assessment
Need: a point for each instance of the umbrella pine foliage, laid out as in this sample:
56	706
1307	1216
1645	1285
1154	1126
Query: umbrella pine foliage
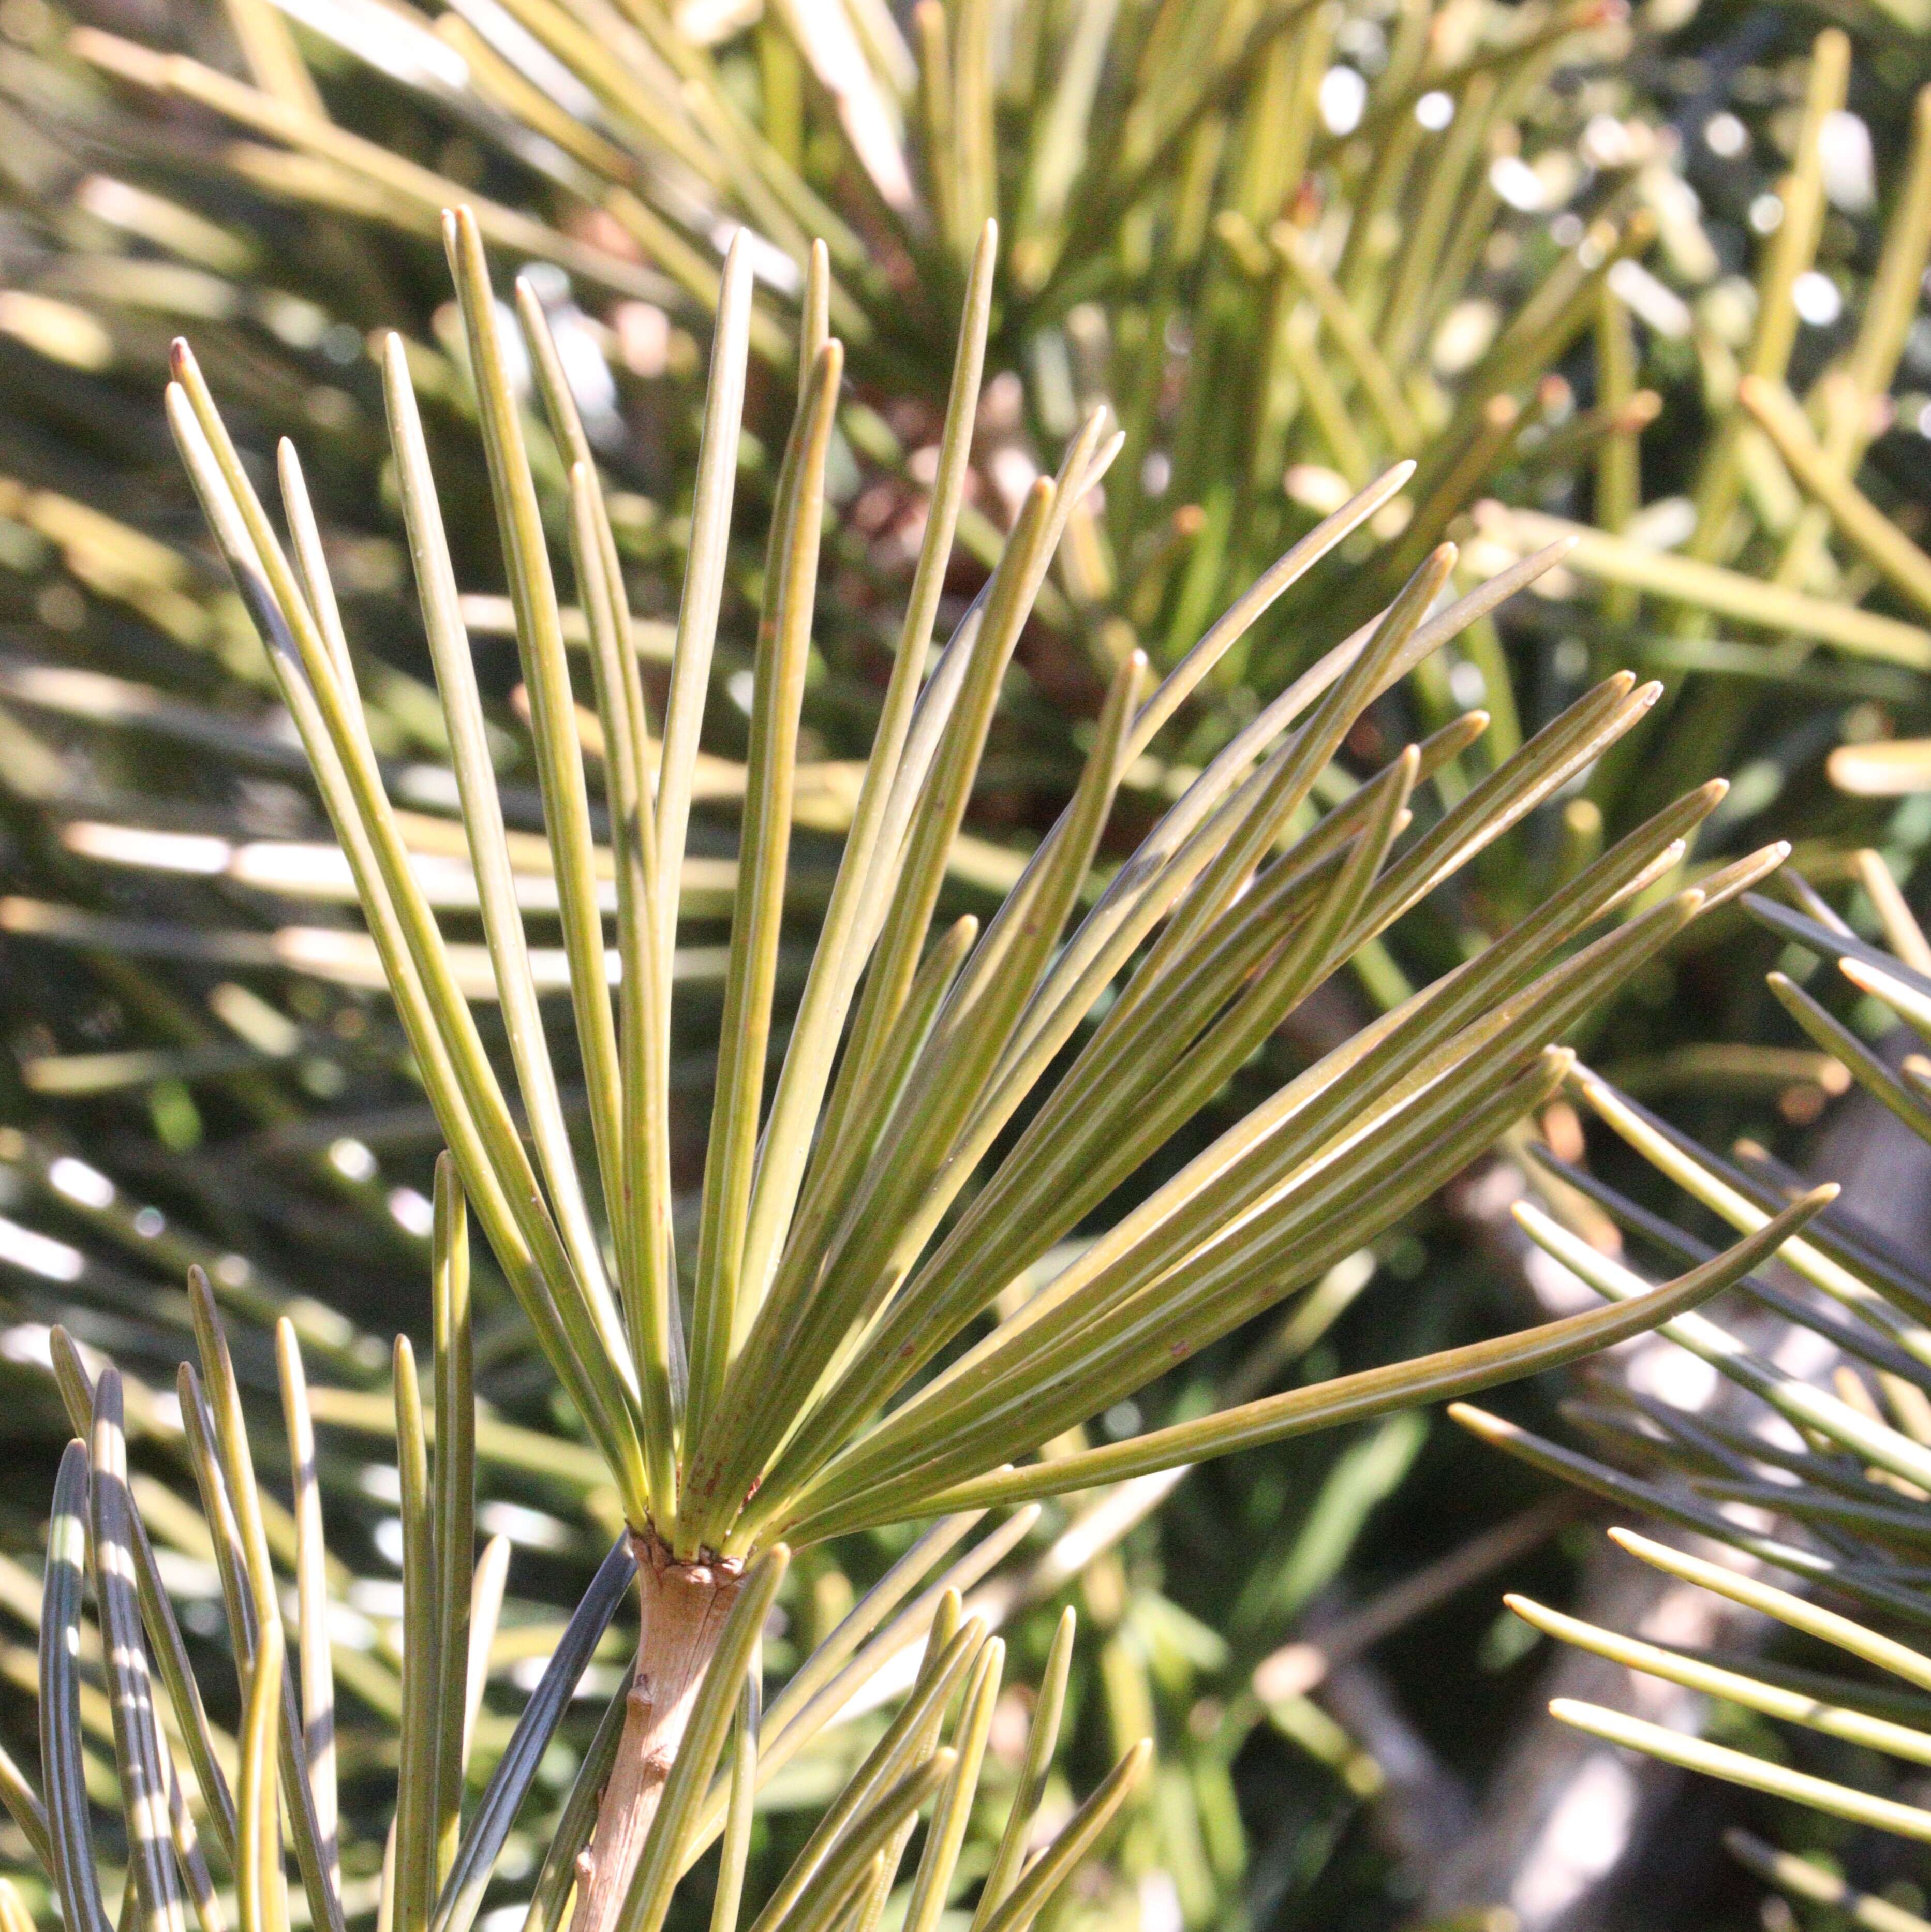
833	1346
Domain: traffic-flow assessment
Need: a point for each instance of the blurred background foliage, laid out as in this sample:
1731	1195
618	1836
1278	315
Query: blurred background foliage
1535	248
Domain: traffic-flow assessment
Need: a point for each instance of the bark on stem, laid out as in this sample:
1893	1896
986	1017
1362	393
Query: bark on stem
683	1607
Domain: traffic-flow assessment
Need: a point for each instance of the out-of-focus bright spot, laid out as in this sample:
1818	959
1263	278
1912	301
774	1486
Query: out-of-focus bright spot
1358	39
1566	229
153	851
516	356
1606	143
435	785
1663	524
1728	310
382	1480
1160	1903
1754	787
1924	420
249	1015
1344	99
352	1160
1560	1290
598	1680
1316	488
1435	110
530	58
1767	213
1673	1375
1850	171
387	1536
1013	473
56	330
588	374
149	1223
1517	183
318	872
1467	685
1727	136
769	264
1585	1834
1560	174
379	1597
187	1575
1156	473
526	1673
28	1341
414	1213
164	1411
405	51
1391	519
352	1627
1815	298
643	338
1687	247
80	1182
1464	335
39	1254
153	218
534	1529
301	324
1803	1353
1650	300
299	869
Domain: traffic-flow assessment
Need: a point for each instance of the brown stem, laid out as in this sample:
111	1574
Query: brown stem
684	1606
